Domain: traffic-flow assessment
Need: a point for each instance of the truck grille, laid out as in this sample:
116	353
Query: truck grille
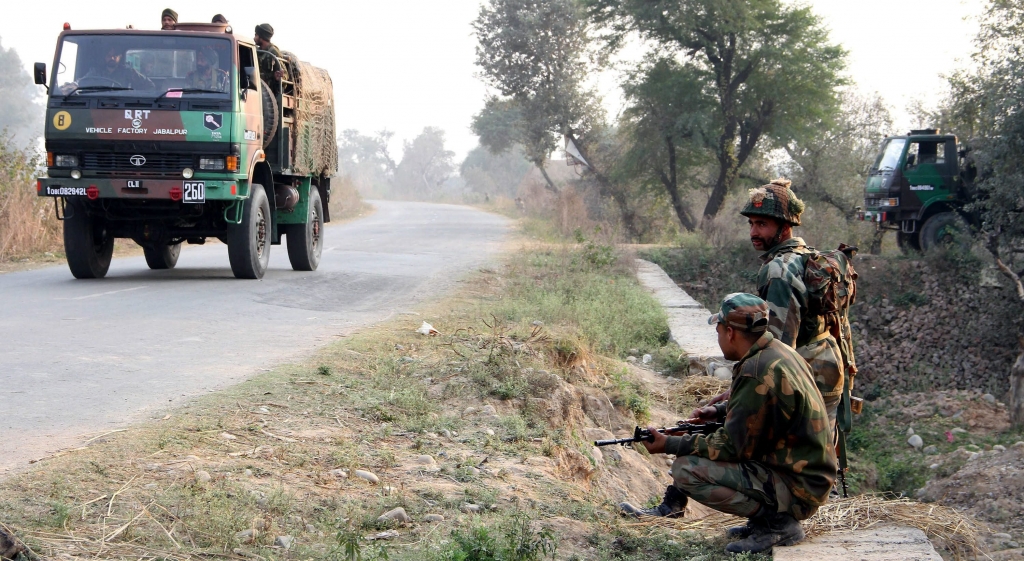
151	164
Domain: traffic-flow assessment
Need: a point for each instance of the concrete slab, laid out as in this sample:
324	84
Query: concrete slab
885	543
687	318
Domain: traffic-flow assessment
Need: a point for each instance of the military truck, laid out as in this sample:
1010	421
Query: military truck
919	186
171	137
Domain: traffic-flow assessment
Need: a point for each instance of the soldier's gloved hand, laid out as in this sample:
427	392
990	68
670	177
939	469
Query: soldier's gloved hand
658	446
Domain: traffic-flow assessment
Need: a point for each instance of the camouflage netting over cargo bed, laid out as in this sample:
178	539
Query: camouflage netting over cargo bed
316	150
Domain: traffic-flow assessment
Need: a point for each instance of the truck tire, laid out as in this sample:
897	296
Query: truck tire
87	243
249	241
944	230
271	114
161	256
305	241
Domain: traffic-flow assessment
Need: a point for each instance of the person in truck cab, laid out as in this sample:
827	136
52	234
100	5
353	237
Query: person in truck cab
208	75
271	69
115	71
168	20
219	18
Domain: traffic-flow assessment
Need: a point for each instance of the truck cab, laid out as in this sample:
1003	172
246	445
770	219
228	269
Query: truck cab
171	137
915	187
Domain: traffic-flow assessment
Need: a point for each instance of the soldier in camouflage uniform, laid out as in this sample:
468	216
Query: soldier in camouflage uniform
208	75
773	461
116	72
271	69
772	211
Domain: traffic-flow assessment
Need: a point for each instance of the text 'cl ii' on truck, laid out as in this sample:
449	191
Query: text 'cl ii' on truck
165	137
920	186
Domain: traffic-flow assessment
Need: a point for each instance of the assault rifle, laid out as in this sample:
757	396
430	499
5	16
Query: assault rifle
642	434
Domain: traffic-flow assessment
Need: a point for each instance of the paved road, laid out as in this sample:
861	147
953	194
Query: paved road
82	357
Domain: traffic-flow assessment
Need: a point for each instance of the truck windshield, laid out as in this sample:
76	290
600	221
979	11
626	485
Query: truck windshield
887	159
141	65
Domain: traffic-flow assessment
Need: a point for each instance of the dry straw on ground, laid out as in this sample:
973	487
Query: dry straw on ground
954	530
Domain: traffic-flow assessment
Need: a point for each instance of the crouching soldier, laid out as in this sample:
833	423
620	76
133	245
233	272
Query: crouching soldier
773	461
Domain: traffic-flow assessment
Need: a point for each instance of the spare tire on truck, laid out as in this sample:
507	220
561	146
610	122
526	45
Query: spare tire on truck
271	114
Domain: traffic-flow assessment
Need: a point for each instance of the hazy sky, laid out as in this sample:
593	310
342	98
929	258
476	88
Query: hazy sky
407	64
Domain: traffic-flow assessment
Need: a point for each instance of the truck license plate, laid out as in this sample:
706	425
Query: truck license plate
194	192
134	184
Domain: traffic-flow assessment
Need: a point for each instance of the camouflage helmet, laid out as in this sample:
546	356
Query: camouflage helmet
775	200
742	311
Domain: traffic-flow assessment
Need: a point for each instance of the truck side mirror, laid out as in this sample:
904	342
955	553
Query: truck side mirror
40	73
251	78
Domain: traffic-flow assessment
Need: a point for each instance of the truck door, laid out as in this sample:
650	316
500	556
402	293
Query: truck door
929	167
252	105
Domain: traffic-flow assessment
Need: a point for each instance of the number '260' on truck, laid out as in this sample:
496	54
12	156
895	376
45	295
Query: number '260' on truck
171	137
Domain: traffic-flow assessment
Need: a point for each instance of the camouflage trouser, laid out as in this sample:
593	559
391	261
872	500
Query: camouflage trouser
738	488
823	355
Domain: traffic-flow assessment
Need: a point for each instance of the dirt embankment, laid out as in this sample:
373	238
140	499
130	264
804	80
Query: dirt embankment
932	324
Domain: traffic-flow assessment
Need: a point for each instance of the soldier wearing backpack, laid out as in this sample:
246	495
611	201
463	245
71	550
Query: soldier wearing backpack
809	294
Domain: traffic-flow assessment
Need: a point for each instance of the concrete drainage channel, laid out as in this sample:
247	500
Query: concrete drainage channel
688	328
687	322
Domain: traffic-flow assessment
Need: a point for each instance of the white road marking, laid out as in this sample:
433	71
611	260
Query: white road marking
102	294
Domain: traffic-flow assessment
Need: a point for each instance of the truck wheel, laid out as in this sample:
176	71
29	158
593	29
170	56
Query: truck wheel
305	241
87	243
161	256
944	229
271	114
249	241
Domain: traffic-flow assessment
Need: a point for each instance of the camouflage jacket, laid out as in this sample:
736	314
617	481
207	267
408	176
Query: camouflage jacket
217	80
269	64
780	282
775	416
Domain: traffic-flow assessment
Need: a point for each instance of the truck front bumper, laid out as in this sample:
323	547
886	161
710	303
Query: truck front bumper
183	190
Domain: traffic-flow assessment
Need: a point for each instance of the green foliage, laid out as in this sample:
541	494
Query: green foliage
985	106
323	370
725	76
494	174
662	546
631	395
603	302
426	164
535	55
512	540
596	255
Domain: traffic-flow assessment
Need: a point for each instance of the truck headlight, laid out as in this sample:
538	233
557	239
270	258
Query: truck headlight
214	164
65	161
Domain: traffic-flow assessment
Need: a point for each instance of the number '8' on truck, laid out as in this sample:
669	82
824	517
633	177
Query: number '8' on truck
171	137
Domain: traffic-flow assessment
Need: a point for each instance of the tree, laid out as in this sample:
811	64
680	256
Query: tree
536	55
366	161
425	165
22	117
665	123
494	174
768	70
988	100
830	164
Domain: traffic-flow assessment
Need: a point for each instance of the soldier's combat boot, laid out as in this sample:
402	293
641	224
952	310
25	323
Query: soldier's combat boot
672	506
739	532
774	529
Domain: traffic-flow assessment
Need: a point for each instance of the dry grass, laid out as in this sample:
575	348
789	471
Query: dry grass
27	222
953	530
